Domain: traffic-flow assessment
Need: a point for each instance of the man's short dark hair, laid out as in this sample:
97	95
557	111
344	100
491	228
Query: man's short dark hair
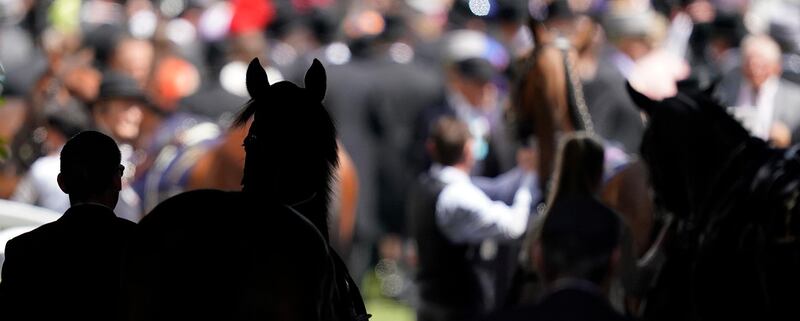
578	239
476	69
89	162
449	135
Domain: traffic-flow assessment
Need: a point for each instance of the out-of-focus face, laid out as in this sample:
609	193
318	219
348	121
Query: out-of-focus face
758	64
635	47
478	94
135	58
120	117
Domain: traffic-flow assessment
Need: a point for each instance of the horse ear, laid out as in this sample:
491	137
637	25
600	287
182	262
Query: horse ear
316	81
645	103
257	80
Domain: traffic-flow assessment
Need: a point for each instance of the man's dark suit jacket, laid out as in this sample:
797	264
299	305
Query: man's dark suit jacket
615	116
569	304
502	149
66	270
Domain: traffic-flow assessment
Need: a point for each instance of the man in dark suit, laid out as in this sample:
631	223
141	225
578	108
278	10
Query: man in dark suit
767	105
615	117
81	252
471	96
576	256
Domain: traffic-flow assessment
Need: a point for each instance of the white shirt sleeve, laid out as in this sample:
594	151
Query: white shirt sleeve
465	214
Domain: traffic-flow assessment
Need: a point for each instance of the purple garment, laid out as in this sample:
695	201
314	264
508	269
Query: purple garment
616	160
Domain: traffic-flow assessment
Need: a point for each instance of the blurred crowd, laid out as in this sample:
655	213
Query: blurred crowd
165	79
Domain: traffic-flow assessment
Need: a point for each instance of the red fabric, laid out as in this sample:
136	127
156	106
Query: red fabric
251	15
174	79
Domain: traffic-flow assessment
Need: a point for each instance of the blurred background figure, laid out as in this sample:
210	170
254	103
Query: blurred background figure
457	228
39	185
575	246
632	32
766	103
472	97
133	57
118	112
118	108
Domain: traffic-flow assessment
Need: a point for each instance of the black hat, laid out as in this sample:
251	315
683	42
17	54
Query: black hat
118	85
478	69
558	9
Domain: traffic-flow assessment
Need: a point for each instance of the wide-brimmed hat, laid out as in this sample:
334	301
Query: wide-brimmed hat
117	85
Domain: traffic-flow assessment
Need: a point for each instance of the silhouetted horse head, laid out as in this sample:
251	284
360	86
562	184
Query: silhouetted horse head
689	138
291	149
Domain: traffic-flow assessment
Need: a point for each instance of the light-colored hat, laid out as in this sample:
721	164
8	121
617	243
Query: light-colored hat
629	22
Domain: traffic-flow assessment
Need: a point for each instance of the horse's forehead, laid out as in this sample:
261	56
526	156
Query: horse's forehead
283	92
285	86
678	107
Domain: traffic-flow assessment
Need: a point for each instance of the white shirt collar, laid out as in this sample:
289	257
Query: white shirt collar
763	103
448	174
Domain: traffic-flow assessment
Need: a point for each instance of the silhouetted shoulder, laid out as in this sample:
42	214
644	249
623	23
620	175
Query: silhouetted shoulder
25	239
76	219
81	252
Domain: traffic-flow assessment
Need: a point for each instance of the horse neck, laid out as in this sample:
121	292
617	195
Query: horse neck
545	101
731	159
316	211
315	208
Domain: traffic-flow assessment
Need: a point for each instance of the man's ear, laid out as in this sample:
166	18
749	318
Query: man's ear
116	182
62	184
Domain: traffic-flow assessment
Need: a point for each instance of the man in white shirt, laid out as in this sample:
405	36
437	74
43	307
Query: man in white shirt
457	227
465	214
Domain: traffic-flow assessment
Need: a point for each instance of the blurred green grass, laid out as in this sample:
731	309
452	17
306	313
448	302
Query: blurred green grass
381	307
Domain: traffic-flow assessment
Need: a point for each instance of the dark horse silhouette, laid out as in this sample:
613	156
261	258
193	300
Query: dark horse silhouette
732	251
261	253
